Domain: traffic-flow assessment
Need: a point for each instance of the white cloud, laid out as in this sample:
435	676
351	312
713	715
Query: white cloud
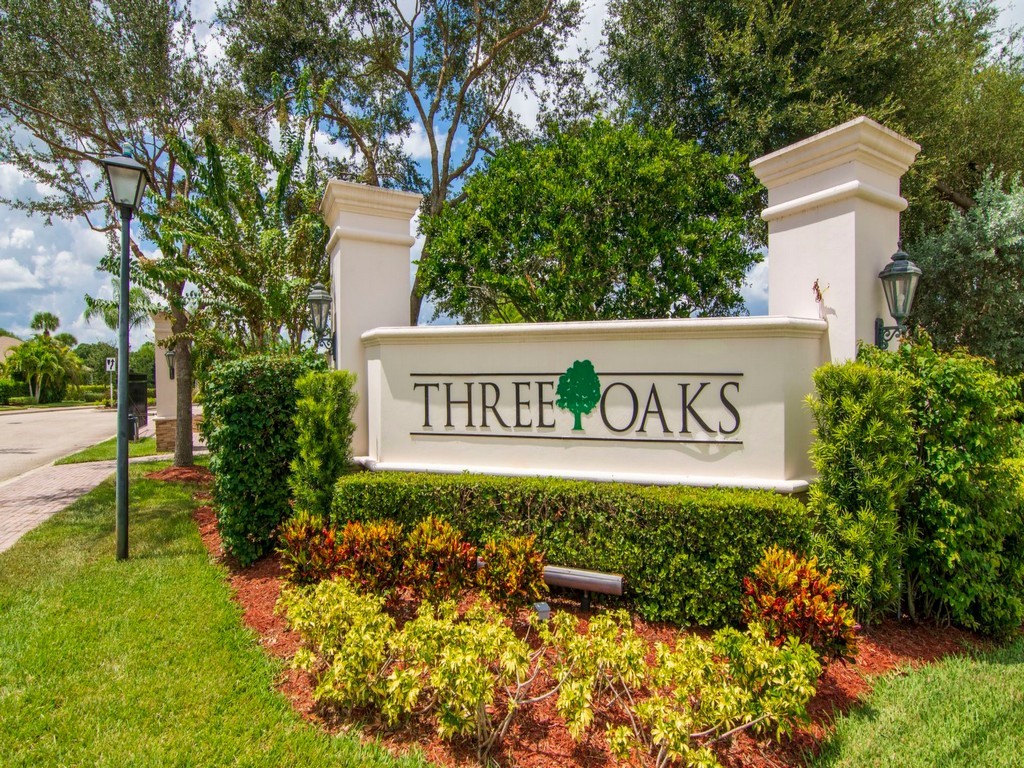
20	237
15	277
417	144
755	288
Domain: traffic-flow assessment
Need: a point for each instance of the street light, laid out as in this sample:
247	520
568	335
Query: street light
899	283
320	310
169	354
127	180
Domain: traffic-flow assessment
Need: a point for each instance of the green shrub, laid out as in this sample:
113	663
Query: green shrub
438	561
323	418
9	388
790	597
513	572
308	549
473	675
865	455
248	423
689	697
372	554
684	551
348	631
450	667
964	516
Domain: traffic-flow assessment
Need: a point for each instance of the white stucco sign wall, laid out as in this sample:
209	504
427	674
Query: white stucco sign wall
702	402
695	401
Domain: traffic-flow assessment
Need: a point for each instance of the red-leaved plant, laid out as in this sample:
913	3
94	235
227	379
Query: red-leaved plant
372	554
513	572
309	552
789	596
439	563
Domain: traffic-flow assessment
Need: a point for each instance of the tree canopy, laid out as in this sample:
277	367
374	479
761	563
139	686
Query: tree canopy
46	365
752	76
598	222
81	80
252	223
972	287
445	70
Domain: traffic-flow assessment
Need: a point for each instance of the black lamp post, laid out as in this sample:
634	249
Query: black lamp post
320	310
127	179
169	355
899	282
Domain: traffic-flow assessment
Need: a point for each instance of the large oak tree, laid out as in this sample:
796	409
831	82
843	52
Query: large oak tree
752	76
596	222
80	80
447	70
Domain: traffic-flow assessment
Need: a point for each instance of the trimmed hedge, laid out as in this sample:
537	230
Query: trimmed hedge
248	423
684	551
9	388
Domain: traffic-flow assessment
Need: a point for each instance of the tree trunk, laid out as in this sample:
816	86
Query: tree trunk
183	390
415	301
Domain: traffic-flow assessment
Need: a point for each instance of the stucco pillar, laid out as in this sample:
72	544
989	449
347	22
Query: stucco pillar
369	248
833	218
166	398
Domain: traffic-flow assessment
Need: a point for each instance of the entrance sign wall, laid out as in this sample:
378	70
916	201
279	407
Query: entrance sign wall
702	401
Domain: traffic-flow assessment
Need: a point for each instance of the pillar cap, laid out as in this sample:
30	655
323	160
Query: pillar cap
859	140
363	199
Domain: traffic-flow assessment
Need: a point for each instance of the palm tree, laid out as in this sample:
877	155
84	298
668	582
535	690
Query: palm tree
140	307
38	361
45	322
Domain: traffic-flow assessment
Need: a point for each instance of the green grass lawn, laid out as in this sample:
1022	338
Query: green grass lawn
62	404
143	662
960	712
108	450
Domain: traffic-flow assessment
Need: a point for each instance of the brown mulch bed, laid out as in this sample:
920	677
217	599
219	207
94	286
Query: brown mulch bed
536	738
195	475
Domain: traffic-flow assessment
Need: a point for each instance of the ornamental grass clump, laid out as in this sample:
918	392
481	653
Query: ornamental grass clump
790	597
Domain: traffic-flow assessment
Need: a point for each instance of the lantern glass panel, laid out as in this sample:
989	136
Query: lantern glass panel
126	185
320	308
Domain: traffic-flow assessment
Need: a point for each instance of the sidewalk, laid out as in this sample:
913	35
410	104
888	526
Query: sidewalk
35	496
29	499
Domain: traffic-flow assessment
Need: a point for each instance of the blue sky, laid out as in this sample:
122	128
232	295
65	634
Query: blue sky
52	267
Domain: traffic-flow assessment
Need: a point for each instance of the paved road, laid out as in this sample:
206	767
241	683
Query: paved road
30	439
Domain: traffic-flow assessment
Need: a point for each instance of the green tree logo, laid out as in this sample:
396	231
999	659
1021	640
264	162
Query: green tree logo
579	390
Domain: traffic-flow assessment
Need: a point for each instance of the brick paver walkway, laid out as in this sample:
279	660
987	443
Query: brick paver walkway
29	499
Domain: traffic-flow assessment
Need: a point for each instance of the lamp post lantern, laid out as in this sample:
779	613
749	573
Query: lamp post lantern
320	310
169	356
899	283
127	179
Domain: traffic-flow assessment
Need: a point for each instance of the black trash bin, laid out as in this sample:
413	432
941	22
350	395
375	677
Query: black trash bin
133	428
137	400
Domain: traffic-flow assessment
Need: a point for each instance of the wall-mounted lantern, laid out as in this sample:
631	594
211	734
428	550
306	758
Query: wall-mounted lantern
899	283
320	310
169	354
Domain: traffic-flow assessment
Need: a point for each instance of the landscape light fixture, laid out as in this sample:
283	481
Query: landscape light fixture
169	355
899	283
320	310
127	179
